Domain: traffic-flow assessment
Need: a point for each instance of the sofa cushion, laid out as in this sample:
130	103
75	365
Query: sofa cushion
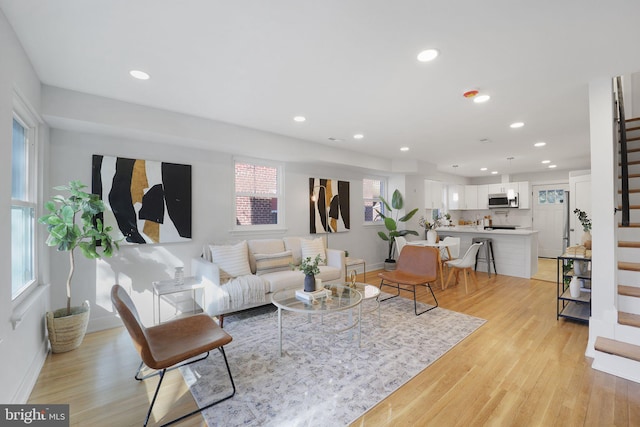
233	260
313	248
263	246
268	263
293	244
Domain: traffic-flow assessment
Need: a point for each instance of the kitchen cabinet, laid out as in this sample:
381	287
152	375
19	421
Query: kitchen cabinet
483	196
524	195
570	307
455	196
470	197
433	191
504	187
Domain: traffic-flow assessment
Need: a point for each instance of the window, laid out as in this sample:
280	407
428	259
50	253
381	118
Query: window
23	207
372	189
258	195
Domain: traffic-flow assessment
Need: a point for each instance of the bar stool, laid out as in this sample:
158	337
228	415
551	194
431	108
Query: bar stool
487	257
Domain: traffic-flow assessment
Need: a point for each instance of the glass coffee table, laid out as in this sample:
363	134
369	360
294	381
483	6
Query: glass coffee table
342	298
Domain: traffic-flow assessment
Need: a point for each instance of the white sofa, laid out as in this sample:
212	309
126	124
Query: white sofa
246	274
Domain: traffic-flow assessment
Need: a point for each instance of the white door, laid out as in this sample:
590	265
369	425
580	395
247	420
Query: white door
549	206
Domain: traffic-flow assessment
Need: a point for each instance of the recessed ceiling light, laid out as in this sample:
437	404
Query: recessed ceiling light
540	144
140	75
494	172
428	55
358	136
300	119
516	125
552	166
481	98
483	169
544	162
404	148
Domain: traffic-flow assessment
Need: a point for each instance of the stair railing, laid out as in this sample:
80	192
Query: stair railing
624	163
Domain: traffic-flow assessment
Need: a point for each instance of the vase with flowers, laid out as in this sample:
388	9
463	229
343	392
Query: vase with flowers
310	268
430	228
586	227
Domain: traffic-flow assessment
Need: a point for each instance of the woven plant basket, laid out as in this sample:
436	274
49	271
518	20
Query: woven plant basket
67	332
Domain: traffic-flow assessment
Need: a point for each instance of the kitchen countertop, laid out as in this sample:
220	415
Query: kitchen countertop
480	230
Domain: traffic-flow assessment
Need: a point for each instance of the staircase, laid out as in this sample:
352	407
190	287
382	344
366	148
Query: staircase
620	354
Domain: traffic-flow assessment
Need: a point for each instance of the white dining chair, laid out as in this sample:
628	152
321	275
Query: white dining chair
464	264
400	243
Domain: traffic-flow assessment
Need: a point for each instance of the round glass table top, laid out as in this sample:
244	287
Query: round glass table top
341	298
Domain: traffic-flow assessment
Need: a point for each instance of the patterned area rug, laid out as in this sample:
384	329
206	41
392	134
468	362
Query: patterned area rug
323	379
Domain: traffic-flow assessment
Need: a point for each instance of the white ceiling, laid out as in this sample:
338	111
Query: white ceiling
350	67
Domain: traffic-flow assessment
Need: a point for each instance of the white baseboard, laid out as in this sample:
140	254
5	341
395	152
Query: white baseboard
102	323
29	381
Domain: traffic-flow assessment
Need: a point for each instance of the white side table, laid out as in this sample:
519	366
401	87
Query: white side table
166	287
350	262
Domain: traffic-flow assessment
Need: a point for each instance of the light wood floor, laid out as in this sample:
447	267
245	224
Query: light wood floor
522	368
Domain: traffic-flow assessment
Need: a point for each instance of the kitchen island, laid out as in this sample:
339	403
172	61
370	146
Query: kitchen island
515	251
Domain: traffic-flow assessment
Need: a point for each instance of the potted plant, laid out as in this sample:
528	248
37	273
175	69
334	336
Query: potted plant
310	268
586	227
391	225
430	228
68	231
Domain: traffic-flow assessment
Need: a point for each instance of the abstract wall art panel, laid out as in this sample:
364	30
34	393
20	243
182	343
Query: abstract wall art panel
147	201
328	206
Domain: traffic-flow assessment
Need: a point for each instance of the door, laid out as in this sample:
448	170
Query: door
549	207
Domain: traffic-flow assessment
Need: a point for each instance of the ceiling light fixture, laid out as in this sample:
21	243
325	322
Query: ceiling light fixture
404	148
358	136
483	169
299	119
552	166
140	75
428	55
516	125
481	98
544	162
540	144
494	172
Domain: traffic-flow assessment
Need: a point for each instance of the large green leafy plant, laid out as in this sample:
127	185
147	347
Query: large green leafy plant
72	222
391	223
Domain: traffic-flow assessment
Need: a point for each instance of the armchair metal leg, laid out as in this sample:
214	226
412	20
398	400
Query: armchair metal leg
161	374
412	289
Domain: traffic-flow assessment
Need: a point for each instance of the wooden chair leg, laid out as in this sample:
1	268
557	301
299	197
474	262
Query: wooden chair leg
449	278
474	277
465	272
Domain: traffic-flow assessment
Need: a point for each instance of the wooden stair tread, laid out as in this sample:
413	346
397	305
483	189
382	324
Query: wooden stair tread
630	266
631	224
631	129
628	244
635	162
630	207
629	319
635	119
629	291
631	175
635	190
618	348
630	150
635	138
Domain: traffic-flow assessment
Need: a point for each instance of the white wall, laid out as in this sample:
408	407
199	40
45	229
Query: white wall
23	348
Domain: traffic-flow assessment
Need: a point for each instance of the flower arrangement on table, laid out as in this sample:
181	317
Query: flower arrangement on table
427	225
309	266
584	220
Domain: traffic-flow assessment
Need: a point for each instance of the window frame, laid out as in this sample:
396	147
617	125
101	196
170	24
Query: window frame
279	195
384	184
29	120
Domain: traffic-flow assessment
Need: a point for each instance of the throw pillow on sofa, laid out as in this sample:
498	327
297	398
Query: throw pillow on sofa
233	260
312	248
268	263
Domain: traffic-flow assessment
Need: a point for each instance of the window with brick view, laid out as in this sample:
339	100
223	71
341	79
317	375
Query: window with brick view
257	194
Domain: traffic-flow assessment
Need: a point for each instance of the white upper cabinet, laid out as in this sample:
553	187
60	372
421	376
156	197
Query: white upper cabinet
455	196
483	196
524	194
433	194
505	187
470	197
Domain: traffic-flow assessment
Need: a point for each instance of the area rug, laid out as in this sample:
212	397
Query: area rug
323	379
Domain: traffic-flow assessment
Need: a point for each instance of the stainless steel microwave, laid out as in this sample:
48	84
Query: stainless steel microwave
503	200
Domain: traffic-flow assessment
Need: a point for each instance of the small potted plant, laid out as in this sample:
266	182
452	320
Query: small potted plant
310	268
586	227
391	224
430	228
72	223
